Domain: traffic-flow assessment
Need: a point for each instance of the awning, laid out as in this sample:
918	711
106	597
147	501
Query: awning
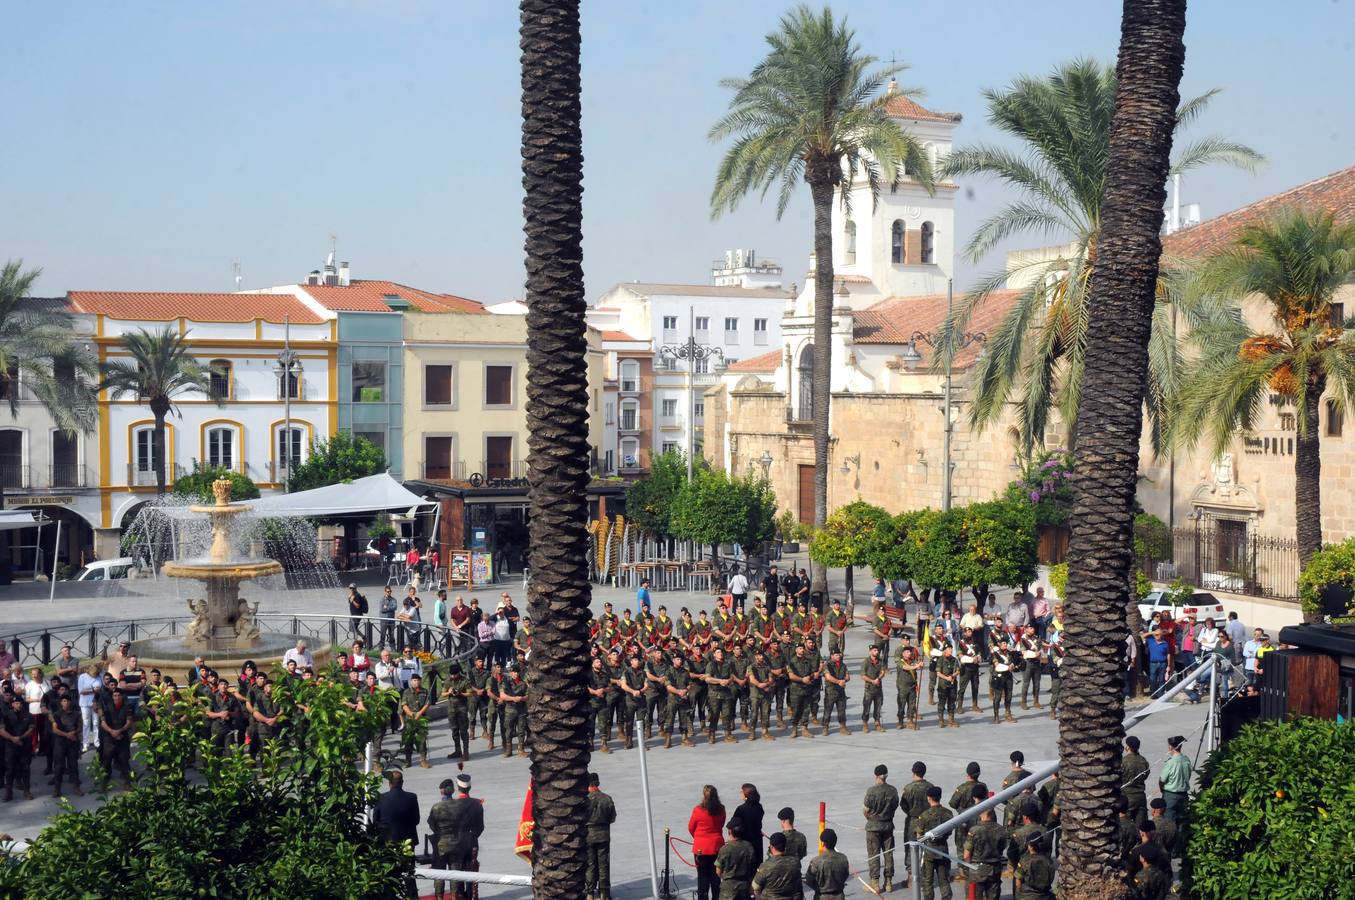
375	493
14	519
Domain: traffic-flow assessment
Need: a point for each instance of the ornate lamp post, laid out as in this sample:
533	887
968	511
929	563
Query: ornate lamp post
948	346
690	351
287	365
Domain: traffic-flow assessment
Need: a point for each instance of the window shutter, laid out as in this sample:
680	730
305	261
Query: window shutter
912	247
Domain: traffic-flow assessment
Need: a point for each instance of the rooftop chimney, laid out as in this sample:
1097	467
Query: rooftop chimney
344	280
314	277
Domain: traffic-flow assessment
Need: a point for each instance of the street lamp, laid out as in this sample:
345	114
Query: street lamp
287	364
690	351
948	345
765	460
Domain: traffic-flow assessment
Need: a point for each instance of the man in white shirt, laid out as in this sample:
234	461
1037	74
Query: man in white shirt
387	671
1236	630
1018	614
409	666
299	655
1249	655
738	589
1208	637
88	685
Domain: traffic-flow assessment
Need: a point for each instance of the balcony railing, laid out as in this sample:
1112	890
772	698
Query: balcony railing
445	471
503	468
68	475
14	474
629	423
799	416
277	469
139	477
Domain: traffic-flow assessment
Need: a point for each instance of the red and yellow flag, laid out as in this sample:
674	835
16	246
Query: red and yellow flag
526	825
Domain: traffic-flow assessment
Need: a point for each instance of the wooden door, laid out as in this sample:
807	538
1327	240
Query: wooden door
806	495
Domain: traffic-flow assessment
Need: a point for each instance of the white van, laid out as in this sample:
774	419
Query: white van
105	569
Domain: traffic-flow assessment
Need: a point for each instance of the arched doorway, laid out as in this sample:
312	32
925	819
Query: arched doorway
33	548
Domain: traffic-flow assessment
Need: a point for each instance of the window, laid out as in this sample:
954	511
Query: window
437	385
12	458
849	245
806	373
376	438
630	415
731	330
669	409
290	447
145	462
630	376
670	446
928	243
499	457
289	388
610	413
702	328
1335	419
369	381
670	333
9	383
760	331
221	447
498	385
1338	315
702	365
630	453
219	379
699	410
896	242
439	454
63	371
66	460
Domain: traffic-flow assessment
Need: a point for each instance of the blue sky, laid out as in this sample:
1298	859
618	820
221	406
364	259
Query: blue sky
148	145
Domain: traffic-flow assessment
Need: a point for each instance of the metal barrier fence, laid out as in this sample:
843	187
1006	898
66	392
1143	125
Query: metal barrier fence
1222	555
41	646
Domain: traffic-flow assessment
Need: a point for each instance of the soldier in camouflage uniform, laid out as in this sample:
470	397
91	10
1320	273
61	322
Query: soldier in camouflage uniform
907	668
477	704
913	802
1034	873
599	682
963	798
947	675
513	697
985	846
414	703
836	626
601	815
835	676
828	872
1002	662
735	864
801	672
457	694
935	867
679	701
656	693
719	688
880	804
760	681
873	671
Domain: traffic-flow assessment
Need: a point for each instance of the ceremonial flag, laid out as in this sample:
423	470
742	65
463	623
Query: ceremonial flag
526	826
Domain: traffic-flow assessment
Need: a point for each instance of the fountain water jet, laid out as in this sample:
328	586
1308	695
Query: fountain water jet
222	621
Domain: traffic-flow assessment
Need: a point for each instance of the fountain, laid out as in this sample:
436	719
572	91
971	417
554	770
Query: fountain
222	621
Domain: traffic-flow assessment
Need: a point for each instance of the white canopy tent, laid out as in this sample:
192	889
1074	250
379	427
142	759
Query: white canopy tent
14	519
375	493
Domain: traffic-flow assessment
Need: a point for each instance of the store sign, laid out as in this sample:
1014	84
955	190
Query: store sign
39	500
477	480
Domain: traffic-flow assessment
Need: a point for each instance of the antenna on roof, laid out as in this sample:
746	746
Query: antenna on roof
333	249
236	267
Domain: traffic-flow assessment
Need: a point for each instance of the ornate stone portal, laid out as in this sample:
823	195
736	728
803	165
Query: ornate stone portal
222	621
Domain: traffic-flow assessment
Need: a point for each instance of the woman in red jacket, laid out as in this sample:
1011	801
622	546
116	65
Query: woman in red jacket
706	826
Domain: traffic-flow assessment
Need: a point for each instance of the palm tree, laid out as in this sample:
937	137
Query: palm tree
1038	351
559	594
38	350
812	111
160	369
1110	407
1295	262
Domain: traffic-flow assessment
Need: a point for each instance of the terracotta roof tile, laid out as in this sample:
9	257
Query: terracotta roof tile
619	336
367	296
767	362
165	306
1334	193
893	321
908	108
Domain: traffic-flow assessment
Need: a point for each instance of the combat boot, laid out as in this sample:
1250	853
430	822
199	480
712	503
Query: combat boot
489	735
1011	718
730	739
842	729
941	719
1023	703
604	748
423	761
953	723
889	885
902	725
522	751
1039	705
768	736
974	707
795	731
627	742
808	733
914	723
1053	713
472	732
508	747
687	741
667	742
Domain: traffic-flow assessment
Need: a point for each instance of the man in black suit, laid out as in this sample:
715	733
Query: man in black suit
397	811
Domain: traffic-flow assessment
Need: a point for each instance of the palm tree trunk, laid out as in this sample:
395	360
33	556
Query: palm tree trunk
559	593
821	190
1110	419
158	453
1308	484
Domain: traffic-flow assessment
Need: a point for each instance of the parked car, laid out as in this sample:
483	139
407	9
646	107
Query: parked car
1202	605
105	569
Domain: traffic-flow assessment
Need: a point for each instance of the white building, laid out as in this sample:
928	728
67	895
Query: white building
732	322
244	424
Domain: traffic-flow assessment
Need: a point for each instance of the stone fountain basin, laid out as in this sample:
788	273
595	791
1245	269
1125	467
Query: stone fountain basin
206	569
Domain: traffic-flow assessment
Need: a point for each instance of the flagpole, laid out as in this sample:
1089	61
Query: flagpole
649	812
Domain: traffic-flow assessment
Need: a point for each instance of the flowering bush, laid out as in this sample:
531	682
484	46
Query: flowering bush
1047	484
1328	577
